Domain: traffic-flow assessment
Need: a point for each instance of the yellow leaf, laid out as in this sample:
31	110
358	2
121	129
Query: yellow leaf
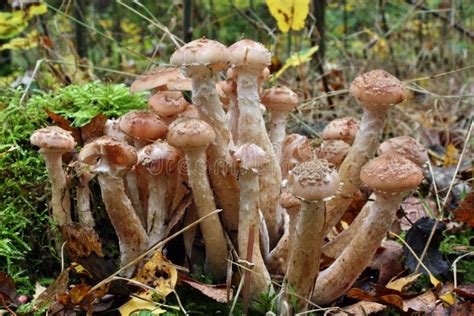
451	156
160	273
143	301
12	23
290	14
297	59
434	280
402	283
37	9
448	298
30	41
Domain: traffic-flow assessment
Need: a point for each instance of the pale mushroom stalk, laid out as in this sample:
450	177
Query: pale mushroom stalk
192	137
312	182
251	158
390	177
111	159
156	215
54	142
83	197
277	131
376	91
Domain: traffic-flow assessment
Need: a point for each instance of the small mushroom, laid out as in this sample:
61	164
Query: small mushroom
376	91
279	101
250	158
161	78
168	104
111	159
391	177
344	129
312	182
53	142
159	160
333	151
192	137
296	149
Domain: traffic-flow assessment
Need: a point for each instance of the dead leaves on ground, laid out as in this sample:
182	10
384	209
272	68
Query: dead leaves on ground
465	211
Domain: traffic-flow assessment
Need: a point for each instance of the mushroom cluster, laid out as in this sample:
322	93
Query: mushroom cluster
280	195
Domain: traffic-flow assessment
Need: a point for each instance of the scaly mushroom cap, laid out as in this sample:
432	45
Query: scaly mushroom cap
250	55
53	138
391	174
250	156
202	52
108	155
160	77
159	158
333	151
404	146
188	134
288	200
313	180
279	98
377	89
344	128
143	125
191	112
112	129
296	149
167	103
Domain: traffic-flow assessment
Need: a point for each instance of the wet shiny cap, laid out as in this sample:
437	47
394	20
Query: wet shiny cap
250	55
161	77
313	180
188	134
159	158
202	52
344	128
377	89
405	146
142	125
391	174
279	98
167	103
53	138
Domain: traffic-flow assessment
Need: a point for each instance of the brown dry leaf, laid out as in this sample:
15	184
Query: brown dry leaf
65	124
59	286
465	211
414	209
403	283
160	273
7	288
425	302
78	293
465	291
387	261
451	156
386	298
94	129
362	308
81	241
216	292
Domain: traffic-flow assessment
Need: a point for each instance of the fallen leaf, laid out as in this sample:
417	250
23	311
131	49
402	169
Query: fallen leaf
425	302
403	283
59	286
416	238
81	241
465	291
216	292
289	14
465	211
387	260
94	129
65	124
7	288
414	209
391	299
451	156
141	302
160	273
362	308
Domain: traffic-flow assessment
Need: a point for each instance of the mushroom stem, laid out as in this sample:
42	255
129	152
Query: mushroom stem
248	217
252	130
365	145
83	200
133	240
303	267
134	194
60	199
339	277
212	232
156	207
277	131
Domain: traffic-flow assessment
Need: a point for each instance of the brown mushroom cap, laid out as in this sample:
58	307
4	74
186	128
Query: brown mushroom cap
143	125
250	156
288	200
296	149
344	128
377	88
313	180
159	158
404	146
106	153
333	151
167	103
391	174
169	77
191	112
250	55
202	52
279	98
53	138
190	134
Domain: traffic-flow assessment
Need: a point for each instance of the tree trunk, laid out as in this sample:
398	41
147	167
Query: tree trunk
187	21
80	7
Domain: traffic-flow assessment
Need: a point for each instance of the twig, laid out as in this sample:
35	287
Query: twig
455	269
439	75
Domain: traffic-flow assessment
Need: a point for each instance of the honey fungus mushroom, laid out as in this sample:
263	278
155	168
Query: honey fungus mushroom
53	142
344	129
